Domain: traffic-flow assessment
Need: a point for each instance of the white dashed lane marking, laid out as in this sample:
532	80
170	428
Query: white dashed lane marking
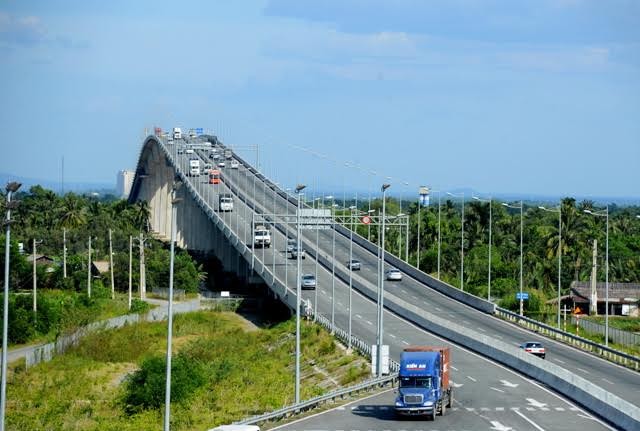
471	378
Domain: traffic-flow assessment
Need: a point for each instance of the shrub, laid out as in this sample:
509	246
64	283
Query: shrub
145	388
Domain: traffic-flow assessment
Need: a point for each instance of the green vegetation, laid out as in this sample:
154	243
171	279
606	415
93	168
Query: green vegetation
540	247
221	372
47	217
62	312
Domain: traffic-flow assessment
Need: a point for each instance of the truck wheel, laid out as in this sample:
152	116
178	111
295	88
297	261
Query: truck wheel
443	410
450	399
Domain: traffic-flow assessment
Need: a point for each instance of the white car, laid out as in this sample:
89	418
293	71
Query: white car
393	274
235	164
221	164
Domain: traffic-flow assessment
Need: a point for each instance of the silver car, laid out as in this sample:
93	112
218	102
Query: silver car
393	274
354	265
308	281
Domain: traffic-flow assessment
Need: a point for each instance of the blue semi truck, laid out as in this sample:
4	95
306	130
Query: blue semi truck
424	387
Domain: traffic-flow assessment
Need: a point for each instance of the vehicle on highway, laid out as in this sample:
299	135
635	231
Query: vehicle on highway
190	151
354	264
308	281
180	150
207	168
534	347
177	133
228	154
235	164
393	274
424	387
221	164
261	236
293	253
211	156
194	167
225	202
214	176
236	428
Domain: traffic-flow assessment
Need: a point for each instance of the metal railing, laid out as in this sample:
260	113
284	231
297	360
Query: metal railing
568	338
617	335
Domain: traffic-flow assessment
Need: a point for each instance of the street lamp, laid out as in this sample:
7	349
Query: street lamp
174	216
461	240
605	213
333	265
11	188
352	208
559	211
299	189
381	287
521	206
398	216
490	215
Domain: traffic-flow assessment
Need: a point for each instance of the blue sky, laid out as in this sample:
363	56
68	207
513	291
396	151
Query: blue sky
531	97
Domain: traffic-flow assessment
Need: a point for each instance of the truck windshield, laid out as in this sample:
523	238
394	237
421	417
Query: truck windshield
415	382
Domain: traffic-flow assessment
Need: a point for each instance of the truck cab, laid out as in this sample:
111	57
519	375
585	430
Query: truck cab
194	167
177	133
424	382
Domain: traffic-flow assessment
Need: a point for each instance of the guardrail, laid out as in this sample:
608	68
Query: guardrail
566	337
618	335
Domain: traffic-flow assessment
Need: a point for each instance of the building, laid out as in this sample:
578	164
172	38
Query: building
124	183
623	298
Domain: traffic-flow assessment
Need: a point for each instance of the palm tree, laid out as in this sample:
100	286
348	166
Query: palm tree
142	214
73	213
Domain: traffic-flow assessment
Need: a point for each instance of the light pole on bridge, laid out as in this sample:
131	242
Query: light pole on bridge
299	189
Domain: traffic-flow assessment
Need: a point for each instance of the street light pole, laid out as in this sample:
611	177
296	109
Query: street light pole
299	189
174	216
521	224
11	188
461	240
381	288
489	201
439	237
352	208
605	213
333	265
559	211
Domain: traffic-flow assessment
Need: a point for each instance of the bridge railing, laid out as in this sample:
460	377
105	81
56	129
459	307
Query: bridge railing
566	337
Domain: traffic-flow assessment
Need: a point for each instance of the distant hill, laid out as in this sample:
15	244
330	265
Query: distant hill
77	187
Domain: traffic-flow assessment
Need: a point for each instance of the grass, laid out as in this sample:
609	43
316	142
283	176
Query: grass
248	372
630	324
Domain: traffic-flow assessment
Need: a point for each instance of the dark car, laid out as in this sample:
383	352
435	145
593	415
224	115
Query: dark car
534	347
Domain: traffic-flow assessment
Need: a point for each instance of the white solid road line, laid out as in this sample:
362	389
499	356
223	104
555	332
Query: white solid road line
538	427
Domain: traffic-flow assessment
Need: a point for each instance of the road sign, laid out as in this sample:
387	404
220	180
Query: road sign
523	295
314	218
199	131
366	219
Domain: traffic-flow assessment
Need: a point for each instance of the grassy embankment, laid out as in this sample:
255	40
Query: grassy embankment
242	372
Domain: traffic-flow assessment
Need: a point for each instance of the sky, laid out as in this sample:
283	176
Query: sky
498	96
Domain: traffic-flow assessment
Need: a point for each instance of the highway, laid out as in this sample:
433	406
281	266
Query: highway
485	395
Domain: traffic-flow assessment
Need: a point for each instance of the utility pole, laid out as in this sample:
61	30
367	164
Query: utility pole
35	282
130	272
593	306
113	288
64	253
143	279
89	270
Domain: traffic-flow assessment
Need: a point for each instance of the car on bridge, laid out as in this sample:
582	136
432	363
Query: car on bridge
293	253
534	347
235	164
221	164
308	281
393	274
354	264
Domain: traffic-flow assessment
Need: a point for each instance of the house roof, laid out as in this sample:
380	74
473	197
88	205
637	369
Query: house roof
40	258
618	292
101	265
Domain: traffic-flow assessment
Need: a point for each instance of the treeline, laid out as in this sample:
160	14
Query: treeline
48	218
540	246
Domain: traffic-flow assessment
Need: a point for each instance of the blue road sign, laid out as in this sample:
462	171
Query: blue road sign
523	295
199	131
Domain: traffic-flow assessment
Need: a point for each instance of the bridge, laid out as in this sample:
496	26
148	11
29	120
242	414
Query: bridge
496	385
